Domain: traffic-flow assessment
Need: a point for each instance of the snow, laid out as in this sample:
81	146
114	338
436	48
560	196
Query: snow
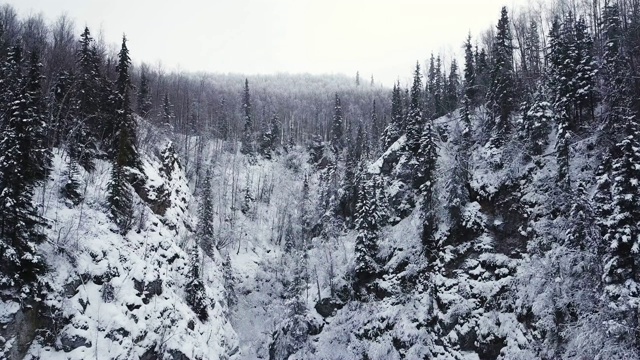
123	295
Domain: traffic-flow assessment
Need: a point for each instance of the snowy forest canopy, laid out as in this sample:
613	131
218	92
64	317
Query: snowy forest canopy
488	210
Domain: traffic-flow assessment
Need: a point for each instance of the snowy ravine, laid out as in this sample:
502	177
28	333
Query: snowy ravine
118	297
487	291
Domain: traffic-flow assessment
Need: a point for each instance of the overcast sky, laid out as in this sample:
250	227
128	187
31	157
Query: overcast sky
379	37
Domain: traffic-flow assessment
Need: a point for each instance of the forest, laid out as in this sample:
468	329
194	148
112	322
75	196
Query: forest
488	209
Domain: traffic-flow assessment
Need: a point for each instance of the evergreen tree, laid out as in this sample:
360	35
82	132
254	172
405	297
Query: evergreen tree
562	151
615	73
247	133
19	148
457	194
618	193
470	86
61	108
144	96
337	134
620	222
453	85
483	74
270	138
205	234
586	71
166	115
375	129
196	296
536	121
368	221
71	188
91	121
395	128
119	195
438	91
229	284
431	88
124	126
501	93
426	174
532	62
572	69
40	162
414	117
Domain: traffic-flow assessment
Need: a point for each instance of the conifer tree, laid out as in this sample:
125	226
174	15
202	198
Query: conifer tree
431	89
229	284
426	174
166	114
19	220
337	132
375	129
124	126
483	74
196	296
470	86
368	221
205	235
144	96
415	117
396	127
453	85
40	162
532	53
457	194
501	93
247	132
562	149
618	193
119	195
91	122
536	121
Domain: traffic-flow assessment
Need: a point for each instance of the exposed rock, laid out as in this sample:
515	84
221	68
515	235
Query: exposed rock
69	342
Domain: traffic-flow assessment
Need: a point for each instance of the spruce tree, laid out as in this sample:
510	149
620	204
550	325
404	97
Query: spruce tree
453	85
470	85
536	121
618	193
502	91
144	96
431	89
247	132
123	127
119	194
229	279
427	160
337	131
166	114
40	162
457	194
396	127
19	149
562	151
368	222
91	121
415	117
196	296
205	234
532	53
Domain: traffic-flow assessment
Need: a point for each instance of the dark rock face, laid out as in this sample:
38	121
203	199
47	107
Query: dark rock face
21	328
327	307
69	342
148	290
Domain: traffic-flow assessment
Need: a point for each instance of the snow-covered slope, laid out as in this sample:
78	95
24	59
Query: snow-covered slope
120	297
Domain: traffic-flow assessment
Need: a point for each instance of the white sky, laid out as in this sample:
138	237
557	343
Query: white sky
379	37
